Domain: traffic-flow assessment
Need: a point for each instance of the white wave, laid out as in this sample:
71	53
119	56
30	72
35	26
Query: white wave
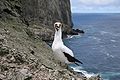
104	32
80	69
114	46
113	40
109	55
71	36
110	33
96	38
106	53
107	75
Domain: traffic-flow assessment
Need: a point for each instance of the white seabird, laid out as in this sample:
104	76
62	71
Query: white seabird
63	53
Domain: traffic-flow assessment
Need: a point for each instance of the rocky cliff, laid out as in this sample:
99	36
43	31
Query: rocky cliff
24	24
38	13
47	11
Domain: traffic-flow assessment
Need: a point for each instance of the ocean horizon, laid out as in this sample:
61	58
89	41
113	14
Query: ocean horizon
99	47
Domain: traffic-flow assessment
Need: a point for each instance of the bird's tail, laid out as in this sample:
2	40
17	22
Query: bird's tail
78	61
77	64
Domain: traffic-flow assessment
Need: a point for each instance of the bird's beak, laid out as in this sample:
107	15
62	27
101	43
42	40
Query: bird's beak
57	29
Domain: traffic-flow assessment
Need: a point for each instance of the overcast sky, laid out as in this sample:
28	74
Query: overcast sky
95	6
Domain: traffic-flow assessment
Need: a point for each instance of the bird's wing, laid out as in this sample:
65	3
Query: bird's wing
72	59
67	50
69	54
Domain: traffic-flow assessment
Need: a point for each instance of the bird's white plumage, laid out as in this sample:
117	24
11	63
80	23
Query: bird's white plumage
67	50
58	50
58	47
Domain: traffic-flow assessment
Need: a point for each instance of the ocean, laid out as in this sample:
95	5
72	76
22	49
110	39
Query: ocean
99	47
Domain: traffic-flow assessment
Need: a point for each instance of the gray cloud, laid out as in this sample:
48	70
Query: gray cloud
95	5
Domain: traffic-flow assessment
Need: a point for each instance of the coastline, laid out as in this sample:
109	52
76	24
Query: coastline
24	53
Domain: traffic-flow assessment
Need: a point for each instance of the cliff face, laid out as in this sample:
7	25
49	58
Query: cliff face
47	11
42	13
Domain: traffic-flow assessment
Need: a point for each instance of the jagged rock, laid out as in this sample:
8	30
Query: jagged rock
76	31
3	51
2	77
25	72
95	78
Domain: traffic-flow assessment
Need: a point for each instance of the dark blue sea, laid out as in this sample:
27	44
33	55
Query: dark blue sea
99	47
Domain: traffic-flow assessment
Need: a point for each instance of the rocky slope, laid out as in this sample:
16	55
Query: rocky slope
26	58
23	57
24	24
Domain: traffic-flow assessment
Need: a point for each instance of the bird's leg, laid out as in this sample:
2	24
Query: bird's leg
66	66
63	65
70	69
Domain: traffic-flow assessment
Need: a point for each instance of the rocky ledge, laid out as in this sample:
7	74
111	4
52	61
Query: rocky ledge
76	32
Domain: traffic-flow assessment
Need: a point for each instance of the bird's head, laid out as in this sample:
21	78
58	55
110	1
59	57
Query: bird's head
57	25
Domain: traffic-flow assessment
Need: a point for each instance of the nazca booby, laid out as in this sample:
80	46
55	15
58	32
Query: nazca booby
63	53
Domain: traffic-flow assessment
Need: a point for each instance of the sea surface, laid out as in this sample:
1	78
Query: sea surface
99	47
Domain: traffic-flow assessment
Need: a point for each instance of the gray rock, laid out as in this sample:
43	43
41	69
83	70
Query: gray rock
4	50
2	77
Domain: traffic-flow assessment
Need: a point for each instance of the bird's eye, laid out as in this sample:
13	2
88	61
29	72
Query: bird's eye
60	25
55	25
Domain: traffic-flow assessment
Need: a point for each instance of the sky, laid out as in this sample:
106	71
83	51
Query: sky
95	6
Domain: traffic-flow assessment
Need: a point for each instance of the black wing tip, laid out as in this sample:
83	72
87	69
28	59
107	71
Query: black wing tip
71	58
77	64
81	63
78	61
